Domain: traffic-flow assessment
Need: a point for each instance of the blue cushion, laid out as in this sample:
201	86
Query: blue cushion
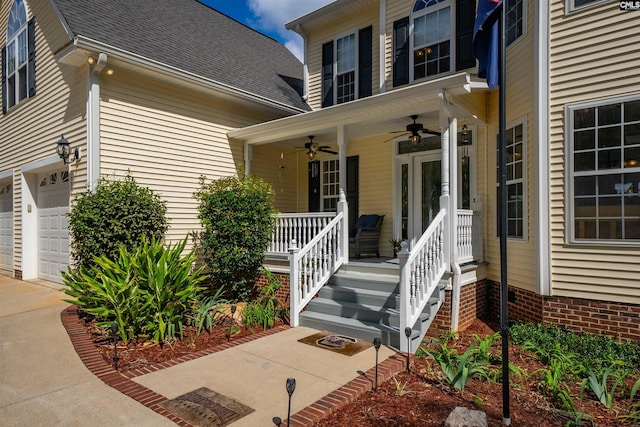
367	221
352	239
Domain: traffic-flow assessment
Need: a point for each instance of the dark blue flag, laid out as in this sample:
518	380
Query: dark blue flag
485	40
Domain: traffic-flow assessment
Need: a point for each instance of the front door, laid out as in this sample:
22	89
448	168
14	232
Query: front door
426	193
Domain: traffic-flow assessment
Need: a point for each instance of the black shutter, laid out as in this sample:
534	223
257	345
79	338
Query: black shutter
352	192
465	17
327	74
365	62
4	80
401	52
314	186
31	66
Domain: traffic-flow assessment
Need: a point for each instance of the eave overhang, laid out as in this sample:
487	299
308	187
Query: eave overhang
369	116
326	15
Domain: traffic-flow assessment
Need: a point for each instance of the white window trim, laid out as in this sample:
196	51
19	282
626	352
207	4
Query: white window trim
23	30
525	201
335	64
571	8
525	12
452	39
569	176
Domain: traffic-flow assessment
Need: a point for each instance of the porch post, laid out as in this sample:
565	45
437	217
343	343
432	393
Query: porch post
405	295
294	285
342	156
453	230
248	156
343	237
445	129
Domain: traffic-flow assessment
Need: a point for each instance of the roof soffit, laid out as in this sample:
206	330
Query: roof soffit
326	15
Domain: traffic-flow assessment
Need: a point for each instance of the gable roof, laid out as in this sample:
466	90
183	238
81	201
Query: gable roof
191	36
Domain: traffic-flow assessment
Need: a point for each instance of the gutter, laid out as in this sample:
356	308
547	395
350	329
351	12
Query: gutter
81	42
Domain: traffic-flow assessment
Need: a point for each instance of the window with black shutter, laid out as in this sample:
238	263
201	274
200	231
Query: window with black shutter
18	58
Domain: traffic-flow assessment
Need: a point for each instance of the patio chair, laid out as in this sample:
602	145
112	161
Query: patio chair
366	236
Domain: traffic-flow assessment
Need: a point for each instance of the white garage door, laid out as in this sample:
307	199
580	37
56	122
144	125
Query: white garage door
6	226
53	224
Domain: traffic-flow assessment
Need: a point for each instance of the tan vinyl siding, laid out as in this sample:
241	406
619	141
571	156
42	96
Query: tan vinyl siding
349	23
168	137
29	130
595	54
283	168
521	262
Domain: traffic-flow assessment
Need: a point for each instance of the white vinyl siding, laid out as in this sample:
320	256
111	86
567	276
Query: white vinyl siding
607	272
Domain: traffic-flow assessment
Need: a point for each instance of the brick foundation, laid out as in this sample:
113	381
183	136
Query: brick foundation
283	292
473	305
526	308
17	274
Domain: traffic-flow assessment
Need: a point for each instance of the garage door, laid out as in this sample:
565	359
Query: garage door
53	224
6	226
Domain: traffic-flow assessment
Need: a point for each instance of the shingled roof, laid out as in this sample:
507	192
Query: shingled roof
192	37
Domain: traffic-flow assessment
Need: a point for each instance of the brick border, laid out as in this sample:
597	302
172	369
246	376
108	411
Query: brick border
122	382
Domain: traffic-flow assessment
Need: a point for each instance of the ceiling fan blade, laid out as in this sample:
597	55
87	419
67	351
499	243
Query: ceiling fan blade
324	150
391	139
431	132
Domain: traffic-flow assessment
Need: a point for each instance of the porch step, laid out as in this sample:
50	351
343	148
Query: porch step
366	306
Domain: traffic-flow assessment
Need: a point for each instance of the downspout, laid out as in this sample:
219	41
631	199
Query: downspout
453	209
93	121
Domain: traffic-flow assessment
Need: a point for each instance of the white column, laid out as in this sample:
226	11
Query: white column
342	156
248	157
343	208
294	285
93	122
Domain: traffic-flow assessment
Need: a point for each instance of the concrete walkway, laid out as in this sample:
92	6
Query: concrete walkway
44	382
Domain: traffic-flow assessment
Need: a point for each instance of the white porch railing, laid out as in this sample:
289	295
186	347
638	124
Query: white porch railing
299	227
421	271
469	236
312	265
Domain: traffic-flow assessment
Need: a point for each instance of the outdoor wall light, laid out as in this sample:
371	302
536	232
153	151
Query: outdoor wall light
91	60
63	148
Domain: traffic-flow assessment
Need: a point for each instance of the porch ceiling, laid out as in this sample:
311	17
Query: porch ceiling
376	115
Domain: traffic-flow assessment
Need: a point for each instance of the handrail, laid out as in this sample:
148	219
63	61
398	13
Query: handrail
314	264
421	271
295	226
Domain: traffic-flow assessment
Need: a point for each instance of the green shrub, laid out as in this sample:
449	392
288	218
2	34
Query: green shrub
237	216
117	213
149	291
266	309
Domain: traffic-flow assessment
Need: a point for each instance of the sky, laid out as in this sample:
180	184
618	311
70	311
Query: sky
270	16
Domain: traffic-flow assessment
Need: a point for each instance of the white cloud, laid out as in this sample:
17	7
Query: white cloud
272	15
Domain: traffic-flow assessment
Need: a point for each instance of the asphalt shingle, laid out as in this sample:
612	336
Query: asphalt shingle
192	37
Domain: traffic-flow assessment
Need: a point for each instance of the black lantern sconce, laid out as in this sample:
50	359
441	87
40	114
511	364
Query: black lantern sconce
63	148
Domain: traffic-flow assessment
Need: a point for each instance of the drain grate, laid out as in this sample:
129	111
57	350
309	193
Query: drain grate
204	407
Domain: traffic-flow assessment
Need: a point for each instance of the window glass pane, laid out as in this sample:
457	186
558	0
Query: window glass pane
610	207
420	31
610	184
346	53
609	137
631	157
22	82
632	134
609	159
632	111
584	118
431	28
584	185
444	23
609	114
11	57
631	228
584	140
22	48
585	207
17	18
584	162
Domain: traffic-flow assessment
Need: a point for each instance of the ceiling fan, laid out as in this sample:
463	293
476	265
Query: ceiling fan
313	148
415	128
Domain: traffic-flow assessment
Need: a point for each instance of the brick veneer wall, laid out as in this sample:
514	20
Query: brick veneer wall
526	308
473	305
283	292
617	320
17	274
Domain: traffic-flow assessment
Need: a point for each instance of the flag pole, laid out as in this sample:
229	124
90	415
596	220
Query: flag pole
504	288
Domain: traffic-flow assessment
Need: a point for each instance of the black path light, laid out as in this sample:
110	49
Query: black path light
114	331
376	344
233	310
277	421
291	386
407	333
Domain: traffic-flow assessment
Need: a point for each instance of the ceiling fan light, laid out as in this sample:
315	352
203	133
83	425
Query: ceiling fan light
415	139
311	154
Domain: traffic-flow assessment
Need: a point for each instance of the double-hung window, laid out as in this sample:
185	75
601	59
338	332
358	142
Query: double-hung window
573	5
432	29
18	56
346	68
516	186
604	171
515	19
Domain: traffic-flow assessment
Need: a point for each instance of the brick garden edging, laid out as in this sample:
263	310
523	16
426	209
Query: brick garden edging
317	411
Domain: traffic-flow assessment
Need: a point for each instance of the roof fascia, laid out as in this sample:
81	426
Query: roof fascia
352	112
84	43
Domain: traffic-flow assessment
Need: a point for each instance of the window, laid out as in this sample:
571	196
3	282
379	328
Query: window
330	185
515	20
347	65
515	148
346	68
431	38
573	5
18	60
604	171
